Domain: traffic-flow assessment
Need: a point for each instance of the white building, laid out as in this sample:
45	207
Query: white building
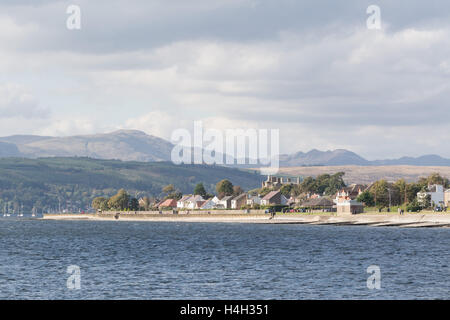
190	202
208	205
239	201
194	202
215	200
252	200
225	202
436	192
181	204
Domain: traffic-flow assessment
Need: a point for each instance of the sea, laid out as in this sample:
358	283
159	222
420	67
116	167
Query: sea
44	259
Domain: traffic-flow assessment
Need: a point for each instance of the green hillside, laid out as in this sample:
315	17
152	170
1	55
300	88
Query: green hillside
47	183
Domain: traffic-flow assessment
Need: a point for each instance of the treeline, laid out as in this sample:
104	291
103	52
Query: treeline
120	201
326	184
383	194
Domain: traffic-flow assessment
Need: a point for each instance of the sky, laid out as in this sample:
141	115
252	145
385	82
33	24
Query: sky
312	69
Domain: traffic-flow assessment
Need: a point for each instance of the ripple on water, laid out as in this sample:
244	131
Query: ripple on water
131	260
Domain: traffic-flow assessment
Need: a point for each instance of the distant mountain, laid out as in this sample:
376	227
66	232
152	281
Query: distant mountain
427	160
133	145
341	157
325	158
121	144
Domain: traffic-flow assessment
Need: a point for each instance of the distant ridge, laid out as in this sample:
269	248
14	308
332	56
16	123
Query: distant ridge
327	158
121	144
341	157
134	145
426	160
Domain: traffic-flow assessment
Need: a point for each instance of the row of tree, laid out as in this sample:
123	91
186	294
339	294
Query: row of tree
120	201
384	194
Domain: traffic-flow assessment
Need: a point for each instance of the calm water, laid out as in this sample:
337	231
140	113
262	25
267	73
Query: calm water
148	260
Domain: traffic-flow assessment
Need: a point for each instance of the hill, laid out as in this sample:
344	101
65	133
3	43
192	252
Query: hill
326	158
341	157
127	145
368	174
133	145
427	160
74	182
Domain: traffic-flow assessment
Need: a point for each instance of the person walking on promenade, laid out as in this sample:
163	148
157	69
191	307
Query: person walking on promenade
272	214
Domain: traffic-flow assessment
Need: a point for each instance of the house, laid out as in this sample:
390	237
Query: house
194	202
253	200
349	207
225	202
168	203
239	201
346	202
158	203
436	193
215	200
350	193
293	201
447	198
321	203
142	203
182	202
274	198
273	181
208	204
200	204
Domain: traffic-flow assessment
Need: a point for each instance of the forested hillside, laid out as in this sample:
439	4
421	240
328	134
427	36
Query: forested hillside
72	183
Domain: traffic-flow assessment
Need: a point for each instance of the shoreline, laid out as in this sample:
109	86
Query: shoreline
416	220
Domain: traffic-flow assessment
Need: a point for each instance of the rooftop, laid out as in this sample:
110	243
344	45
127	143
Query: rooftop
270	195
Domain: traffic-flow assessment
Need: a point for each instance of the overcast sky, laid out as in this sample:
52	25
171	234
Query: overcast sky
309	68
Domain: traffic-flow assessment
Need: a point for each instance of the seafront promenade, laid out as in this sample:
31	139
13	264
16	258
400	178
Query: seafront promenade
407	220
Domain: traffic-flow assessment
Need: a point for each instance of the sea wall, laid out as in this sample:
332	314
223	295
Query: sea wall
376	220
182	212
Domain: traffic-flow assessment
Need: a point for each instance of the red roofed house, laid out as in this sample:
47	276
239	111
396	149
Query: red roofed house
168	203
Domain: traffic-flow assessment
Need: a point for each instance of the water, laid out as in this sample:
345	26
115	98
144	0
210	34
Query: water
132	260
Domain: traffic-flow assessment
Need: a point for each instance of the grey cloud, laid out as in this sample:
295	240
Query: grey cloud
323	75
117	26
